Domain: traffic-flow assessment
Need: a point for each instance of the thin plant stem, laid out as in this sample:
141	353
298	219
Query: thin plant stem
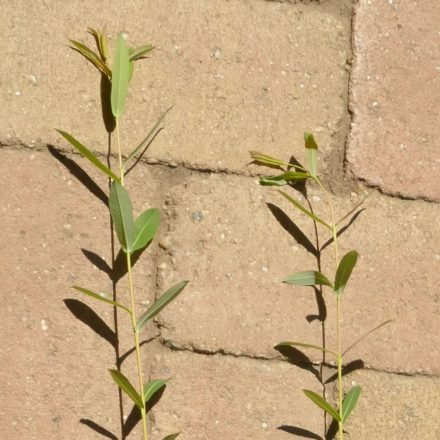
114	295
133	306
338	310
137	346
323	335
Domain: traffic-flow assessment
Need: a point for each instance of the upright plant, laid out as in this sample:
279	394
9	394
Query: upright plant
293	173
134	235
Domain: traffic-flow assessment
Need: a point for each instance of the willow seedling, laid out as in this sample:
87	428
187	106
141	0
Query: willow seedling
293	174
134	235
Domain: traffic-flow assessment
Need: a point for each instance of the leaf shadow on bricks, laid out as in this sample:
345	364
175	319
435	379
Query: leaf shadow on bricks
292	354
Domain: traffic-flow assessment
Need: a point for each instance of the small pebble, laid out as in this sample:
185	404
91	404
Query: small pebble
44	325
217	54
33	80
165	243
197	216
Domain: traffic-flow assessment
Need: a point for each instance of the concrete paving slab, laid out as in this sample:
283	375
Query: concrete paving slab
229	244
394	407
54	367
219	397
241	75
395	90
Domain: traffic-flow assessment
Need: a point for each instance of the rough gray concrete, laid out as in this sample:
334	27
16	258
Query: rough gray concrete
242	74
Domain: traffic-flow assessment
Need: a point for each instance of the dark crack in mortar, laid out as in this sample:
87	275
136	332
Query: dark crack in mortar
191	348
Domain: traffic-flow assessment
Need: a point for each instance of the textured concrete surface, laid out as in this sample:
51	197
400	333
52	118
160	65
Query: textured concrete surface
242	74
244	298
394	407
395	90
253	399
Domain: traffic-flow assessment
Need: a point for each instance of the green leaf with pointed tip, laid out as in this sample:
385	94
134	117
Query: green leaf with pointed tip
171	436
88	155
101	42
162	302
101	298
353	209
308	278
91	56
322	403
145	227
122	216
312	148
147	139
136	53
120	77
350	402
264	159
283	179
366	335
344	271
304	210
152	387
125	385
301	344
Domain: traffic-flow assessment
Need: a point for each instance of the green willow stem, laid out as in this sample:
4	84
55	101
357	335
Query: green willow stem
133	305
338	309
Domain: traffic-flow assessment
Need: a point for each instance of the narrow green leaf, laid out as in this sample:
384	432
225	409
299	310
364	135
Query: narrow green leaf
147	139
136	53
120	77
171	436
122	216
310	142
264	159
101	42
152	387
301	344
308	278
88	155
127	387
91	56
162	302
350	402
304	210
322	403
283	179
312	148
366	335
101	298
353	209
344	271
145	227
